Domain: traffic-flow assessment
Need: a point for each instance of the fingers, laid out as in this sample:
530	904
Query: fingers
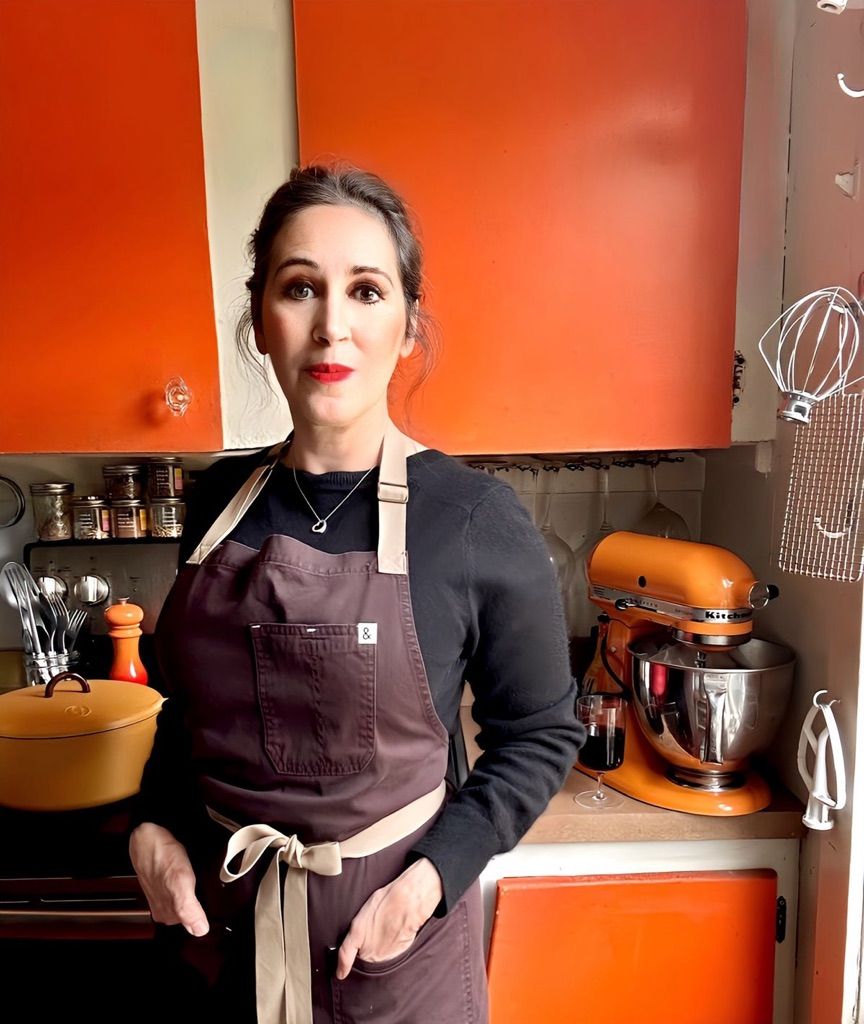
347	955
191	914
167	879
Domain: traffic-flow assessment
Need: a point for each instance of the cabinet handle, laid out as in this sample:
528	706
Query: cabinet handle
178	397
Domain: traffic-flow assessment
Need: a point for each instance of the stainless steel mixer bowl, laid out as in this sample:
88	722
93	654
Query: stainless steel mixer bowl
706	712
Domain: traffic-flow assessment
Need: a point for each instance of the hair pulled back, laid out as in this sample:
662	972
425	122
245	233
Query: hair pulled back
317	185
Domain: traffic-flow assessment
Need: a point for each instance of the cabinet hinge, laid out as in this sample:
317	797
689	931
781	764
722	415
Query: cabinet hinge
780	920
739	364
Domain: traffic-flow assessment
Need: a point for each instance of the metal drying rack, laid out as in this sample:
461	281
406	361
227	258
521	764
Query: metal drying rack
555	463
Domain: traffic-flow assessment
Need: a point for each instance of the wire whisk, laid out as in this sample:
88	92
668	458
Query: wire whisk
814	352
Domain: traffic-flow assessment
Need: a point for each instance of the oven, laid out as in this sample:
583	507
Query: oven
75	928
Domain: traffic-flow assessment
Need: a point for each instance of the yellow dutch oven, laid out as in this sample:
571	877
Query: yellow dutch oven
67	749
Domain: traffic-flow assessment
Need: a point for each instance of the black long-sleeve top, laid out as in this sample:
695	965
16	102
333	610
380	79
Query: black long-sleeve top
487	610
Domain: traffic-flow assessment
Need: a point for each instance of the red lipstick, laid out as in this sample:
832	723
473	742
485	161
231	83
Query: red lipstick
328	373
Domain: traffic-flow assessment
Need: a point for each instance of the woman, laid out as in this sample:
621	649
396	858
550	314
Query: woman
315	691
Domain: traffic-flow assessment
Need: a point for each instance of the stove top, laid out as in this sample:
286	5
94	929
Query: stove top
91	843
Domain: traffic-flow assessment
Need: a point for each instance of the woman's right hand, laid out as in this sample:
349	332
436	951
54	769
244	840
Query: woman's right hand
166	876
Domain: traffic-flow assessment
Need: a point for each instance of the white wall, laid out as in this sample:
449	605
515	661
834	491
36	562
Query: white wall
249	121
820	619
770	37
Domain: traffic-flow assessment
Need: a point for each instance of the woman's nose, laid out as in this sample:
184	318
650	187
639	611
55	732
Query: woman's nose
331	325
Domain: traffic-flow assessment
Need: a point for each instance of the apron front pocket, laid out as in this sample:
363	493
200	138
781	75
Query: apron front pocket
316	692
430	983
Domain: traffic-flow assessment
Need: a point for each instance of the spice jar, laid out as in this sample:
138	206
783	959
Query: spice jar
166	517
51	510
123	481
90	518
165	477
128	518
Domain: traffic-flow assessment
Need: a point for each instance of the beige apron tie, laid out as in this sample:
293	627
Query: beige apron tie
283	970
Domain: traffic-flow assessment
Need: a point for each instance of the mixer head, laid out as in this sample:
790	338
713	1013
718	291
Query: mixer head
704	593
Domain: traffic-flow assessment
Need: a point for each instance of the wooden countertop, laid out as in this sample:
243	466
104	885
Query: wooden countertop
564	821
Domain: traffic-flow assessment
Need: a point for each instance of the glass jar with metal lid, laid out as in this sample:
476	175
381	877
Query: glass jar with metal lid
51	510
166	517
91	519
165	477
123	481
128	518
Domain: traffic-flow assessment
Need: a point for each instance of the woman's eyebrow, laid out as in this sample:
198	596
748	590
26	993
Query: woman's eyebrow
371	270
296	261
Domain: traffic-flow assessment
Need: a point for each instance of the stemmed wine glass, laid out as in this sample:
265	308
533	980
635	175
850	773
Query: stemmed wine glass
581	612
560	552
660	521
604	718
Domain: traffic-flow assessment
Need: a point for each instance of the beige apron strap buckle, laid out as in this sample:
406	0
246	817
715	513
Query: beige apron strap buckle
397	493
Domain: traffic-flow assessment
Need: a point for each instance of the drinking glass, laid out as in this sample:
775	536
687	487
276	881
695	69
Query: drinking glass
660	521
604	718
560	552
581	611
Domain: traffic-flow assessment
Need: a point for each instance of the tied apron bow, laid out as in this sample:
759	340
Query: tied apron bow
283	970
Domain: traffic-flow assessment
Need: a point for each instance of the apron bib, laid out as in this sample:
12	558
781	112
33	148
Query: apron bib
316	743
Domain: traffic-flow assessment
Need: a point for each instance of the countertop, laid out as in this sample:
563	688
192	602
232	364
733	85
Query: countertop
564	821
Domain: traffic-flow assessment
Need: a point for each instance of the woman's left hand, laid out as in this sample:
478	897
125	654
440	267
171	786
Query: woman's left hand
389	920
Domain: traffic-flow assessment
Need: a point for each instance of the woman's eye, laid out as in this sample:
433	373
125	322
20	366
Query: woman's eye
299	290
367	293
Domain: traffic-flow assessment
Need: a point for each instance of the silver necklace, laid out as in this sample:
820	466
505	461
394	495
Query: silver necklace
320	524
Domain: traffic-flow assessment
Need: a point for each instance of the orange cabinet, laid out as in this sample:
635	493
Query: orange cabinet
674	948
105	290
575	168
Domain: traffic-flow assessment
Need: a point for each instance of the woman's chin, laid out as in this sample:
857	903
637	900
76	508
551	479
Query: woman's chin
332	411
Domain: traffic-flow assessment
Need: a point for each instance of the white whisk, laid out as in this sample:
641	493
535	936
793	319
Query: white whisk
801	387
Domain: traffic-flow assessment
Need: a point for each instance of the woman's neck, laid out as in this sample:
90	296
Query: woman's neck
327	449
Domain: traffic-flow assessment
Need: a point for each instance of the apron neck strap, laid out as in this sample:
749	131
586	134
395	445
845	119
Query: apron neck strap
392	501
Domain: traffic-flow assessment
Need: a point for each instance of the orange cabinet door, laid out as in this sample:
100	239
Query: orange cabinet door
678	948
105	288
575	169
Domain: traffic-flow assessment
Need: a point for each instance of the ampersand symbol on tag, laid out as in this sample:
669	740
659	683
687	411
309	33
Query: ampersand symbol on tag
367	632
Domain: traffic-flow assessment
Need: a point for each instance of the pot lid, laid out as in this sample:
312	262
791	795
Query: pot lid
27	714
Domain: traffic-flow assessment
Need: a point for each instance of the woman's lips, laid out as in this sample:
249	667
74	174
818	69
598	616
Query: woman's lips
328	373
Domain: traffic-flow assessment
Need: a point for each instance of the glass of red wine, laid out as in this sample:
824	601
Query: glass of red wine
604	717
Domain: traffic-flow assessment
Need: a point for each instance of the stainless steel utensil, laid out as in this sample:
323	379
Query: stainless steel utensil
46	625
705	713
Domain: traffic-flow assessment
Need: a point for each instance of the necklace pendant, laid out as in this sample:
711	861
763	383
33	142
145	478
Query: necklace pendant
319	527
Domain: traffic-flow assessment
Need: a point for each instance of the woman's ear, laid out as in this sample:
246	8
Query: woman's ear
410	339
260	343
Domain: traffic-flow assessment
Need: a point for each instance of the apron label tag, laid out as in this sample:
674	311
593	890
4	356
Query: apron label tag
367	632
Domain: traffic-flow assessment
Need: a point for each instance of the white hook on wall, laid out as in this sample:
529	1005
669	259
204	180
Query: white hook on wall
854	93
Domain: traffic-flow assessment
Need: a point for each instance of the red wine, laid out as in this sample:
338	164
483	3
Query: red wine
603	750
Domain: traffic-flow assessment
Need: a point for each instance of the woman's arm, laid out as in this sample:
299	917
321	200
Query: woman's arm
518	668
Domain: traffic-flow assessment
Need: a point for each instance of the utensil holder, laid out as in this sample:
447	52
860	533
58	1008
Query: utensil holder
39	668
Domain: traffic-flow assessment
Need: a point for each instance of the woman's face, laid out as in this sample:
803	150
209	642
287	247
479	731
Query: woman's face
333	315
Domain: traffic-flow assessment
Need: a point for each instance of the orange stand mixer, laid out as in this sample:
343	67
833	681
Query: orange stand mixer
703	694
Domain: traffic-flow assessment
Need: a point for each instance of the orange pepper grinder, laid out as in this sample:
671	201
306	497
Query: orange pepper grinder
124	620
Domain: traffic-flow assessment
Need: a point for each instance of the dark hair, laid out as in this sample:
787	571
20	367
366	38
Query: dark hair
316	185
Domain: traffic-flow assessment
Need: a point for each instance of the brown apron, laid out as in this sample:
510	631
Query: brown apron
316	743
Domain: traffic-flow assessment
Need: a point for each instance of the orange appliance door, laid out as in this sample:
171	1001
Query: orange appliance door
105	291
678	948
575	171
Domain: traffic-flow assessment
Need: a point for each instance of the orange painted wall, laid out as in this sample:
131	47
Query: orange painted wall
677	948
575	168
105	287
